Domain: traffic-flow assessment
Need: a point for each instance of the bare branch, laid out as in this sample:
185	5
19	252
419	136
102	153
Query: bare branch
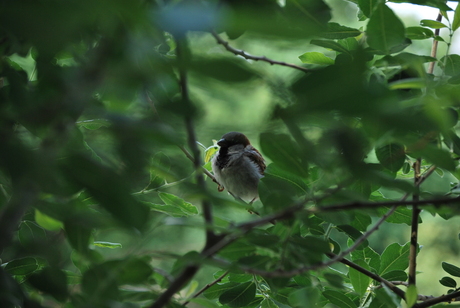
434	47
245	55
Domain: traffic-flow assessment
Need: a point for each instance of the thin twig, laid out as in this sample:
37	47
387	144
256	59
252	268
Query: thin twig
437	300
245	55
414	226
434	47
207	287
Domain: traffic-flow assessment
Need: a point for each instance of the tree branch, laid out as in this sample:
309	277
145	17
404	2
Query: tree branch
434	47
245	55
207	287
437	300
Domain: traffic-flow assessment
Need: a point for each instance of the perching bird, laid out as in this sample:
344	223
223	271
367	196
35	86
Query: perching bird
238	166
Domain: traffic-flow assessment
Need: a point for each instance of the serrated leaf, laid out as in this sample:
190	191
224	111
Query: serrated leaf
433	24
172	200
451	269
339	299
107	245
391	156
359	281
448	282
385	30
239	296
23	266
316	58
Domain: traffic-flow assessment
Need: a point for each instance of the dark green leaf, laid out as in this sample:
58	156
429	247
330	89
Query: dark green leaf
419	33
391	156
354	234
448	282
385	30
395	276
78	234
337	31
52	281
239	296
359	281
451	64
224	69
339	299
30	232
216	290
23	266
330	45
451	269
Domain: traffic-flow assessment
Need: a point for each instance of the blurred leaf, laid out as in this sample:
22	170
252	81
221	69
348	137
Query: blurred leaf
433	24
439	157
216	290
78	234
30	232
456	21
448	282
359	281
107	245
334	280
419	33
283	151
411	295
330	45
306	297
354	234
337	31
236	250
315	58
361	221
94	124
402	215
385	30
397	275
391	156
47	222
239	296
451	269
108	188
223	69
451	64
23	266
210	151
52	281
339	299
173	201
409	83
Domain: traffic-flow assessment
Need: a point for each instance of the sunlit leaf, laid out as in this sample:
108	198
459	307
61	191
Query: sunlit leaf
433	24
315	58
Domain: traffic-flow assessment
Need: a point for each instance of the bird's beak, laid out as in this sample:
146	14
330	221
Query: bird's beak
221	142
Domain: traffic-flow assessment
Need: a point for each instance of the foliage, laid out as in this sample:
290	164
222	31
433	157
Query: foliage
100	107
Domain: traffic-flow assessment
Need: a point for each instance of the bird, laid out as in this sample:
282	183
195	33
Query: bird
238	167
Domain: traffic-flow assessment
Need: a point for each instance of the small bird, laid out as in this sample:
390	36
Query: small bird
238	166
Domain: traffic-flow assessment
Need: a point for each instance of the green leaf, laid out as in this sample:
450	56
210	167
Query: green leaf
359	281
451	269
367	7
448	282
30	232
316	58
391	156
456	21
354	234
94	124
394	257
408	83
361	221
23	266
385	30
224	69
402	215
433	24
337	31
174	201
47	222
395	276
419	33
283	151
52	281
330	45
411	295
339	299
439	157
78	234
107	245
451	64
216	290
239	296
306	297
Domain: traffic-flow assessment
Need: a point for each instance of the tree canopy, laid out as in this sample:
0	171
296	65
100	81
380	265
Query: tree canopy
108	110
